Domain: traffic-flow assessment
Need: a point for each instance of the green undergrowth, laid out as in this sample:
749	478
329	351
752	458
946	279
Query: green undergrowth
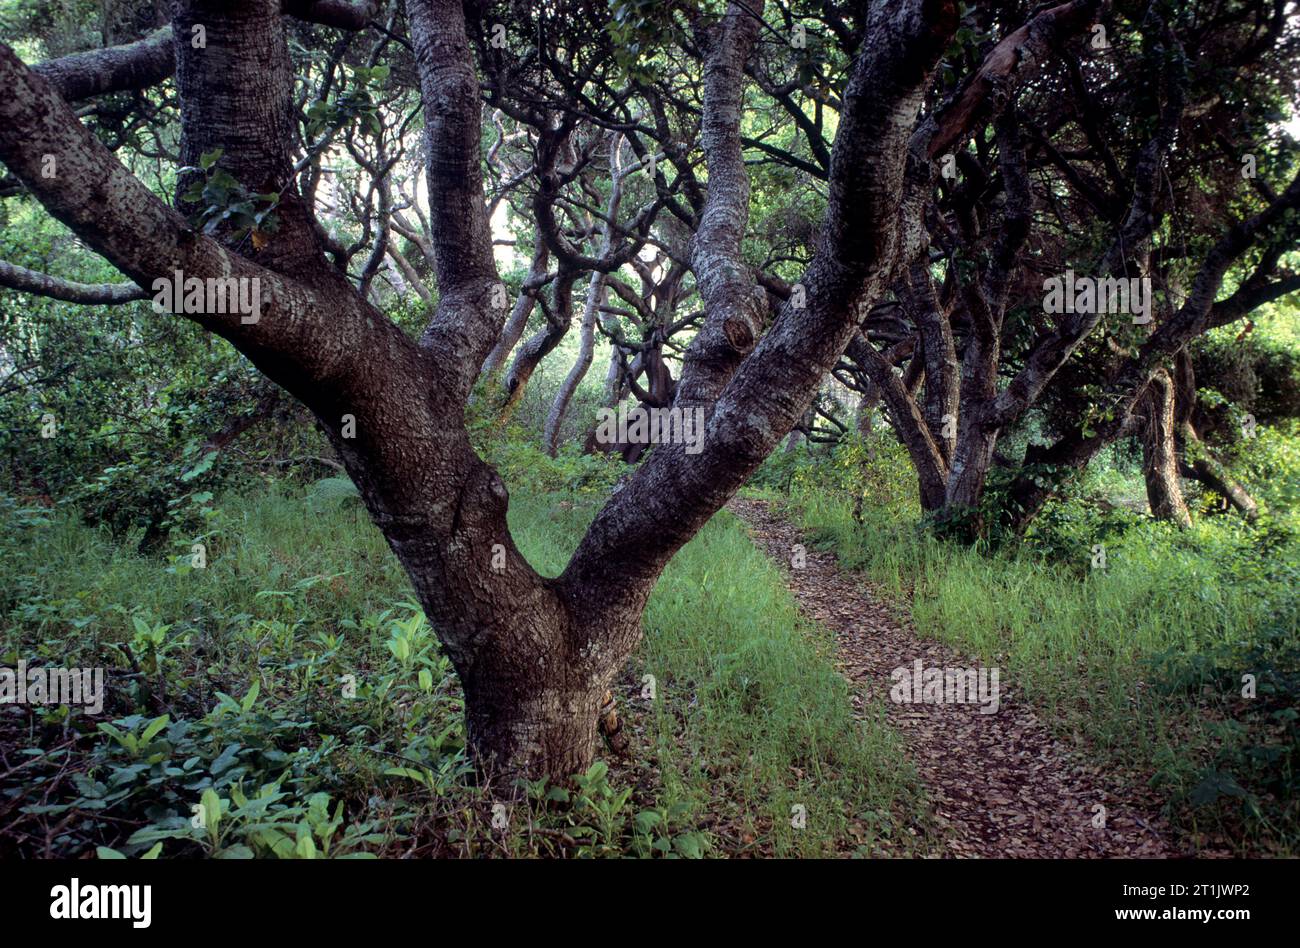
288	699
1170	656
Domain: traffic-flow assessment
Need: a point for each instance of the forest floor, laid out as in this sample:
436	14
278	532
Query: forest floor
999	785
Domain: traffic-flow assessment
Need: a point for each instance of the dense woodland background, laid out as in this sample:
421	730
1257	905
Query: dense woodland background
1108	511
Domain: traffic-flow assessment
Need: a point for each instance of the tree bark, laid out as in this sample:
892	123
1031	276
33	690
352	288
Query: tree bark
1127	384
138	65
519	313
90	294
559	316
1202	467
1197	461
1159	456
586	347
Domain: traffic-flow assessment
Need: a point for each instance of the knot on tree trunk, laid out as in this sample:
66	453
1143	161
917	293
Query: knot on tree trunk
739	334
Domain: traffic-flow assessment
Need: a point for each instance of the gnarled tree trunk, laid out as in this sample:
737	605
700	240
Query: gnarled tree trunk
1159	455
1197	461
535	655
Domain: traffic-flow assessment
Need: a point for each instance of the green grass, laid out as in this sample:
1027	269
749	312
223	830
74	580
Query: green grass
1141	660
722	628
750	719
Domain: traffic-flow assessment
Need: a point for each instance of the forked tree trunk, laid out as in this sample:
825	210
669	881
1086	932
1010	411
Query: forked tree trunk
535	655
534	669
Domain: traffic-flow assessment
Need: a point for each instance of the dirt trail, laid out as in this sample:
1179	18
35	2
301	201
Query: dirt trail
999	784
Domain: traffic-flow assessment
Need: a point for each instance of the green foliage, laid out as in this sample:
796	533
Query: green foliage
638	29
331	490
354	102
220	199
1259	374
1270	465
271	825
293	689
1251	691
595	819
1064	528
519	460
873	466
131	401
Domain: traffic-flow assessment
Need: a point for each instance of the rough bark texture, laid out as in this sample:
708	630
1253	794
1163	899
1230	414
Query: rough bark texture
1159	456
137	65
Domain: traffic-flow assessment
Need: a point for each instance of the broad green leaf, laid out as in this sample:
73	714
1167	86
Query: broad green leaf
211	809
152	729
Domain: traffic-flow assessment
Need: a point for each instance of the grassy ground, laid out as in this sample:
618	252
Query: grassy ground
293	675
289	699
1140	661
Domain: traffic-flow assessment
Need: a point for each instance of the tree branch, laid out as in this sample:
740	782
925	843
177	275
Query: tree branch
138	65
42	284
119	218
466	325
1028	45
340	13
